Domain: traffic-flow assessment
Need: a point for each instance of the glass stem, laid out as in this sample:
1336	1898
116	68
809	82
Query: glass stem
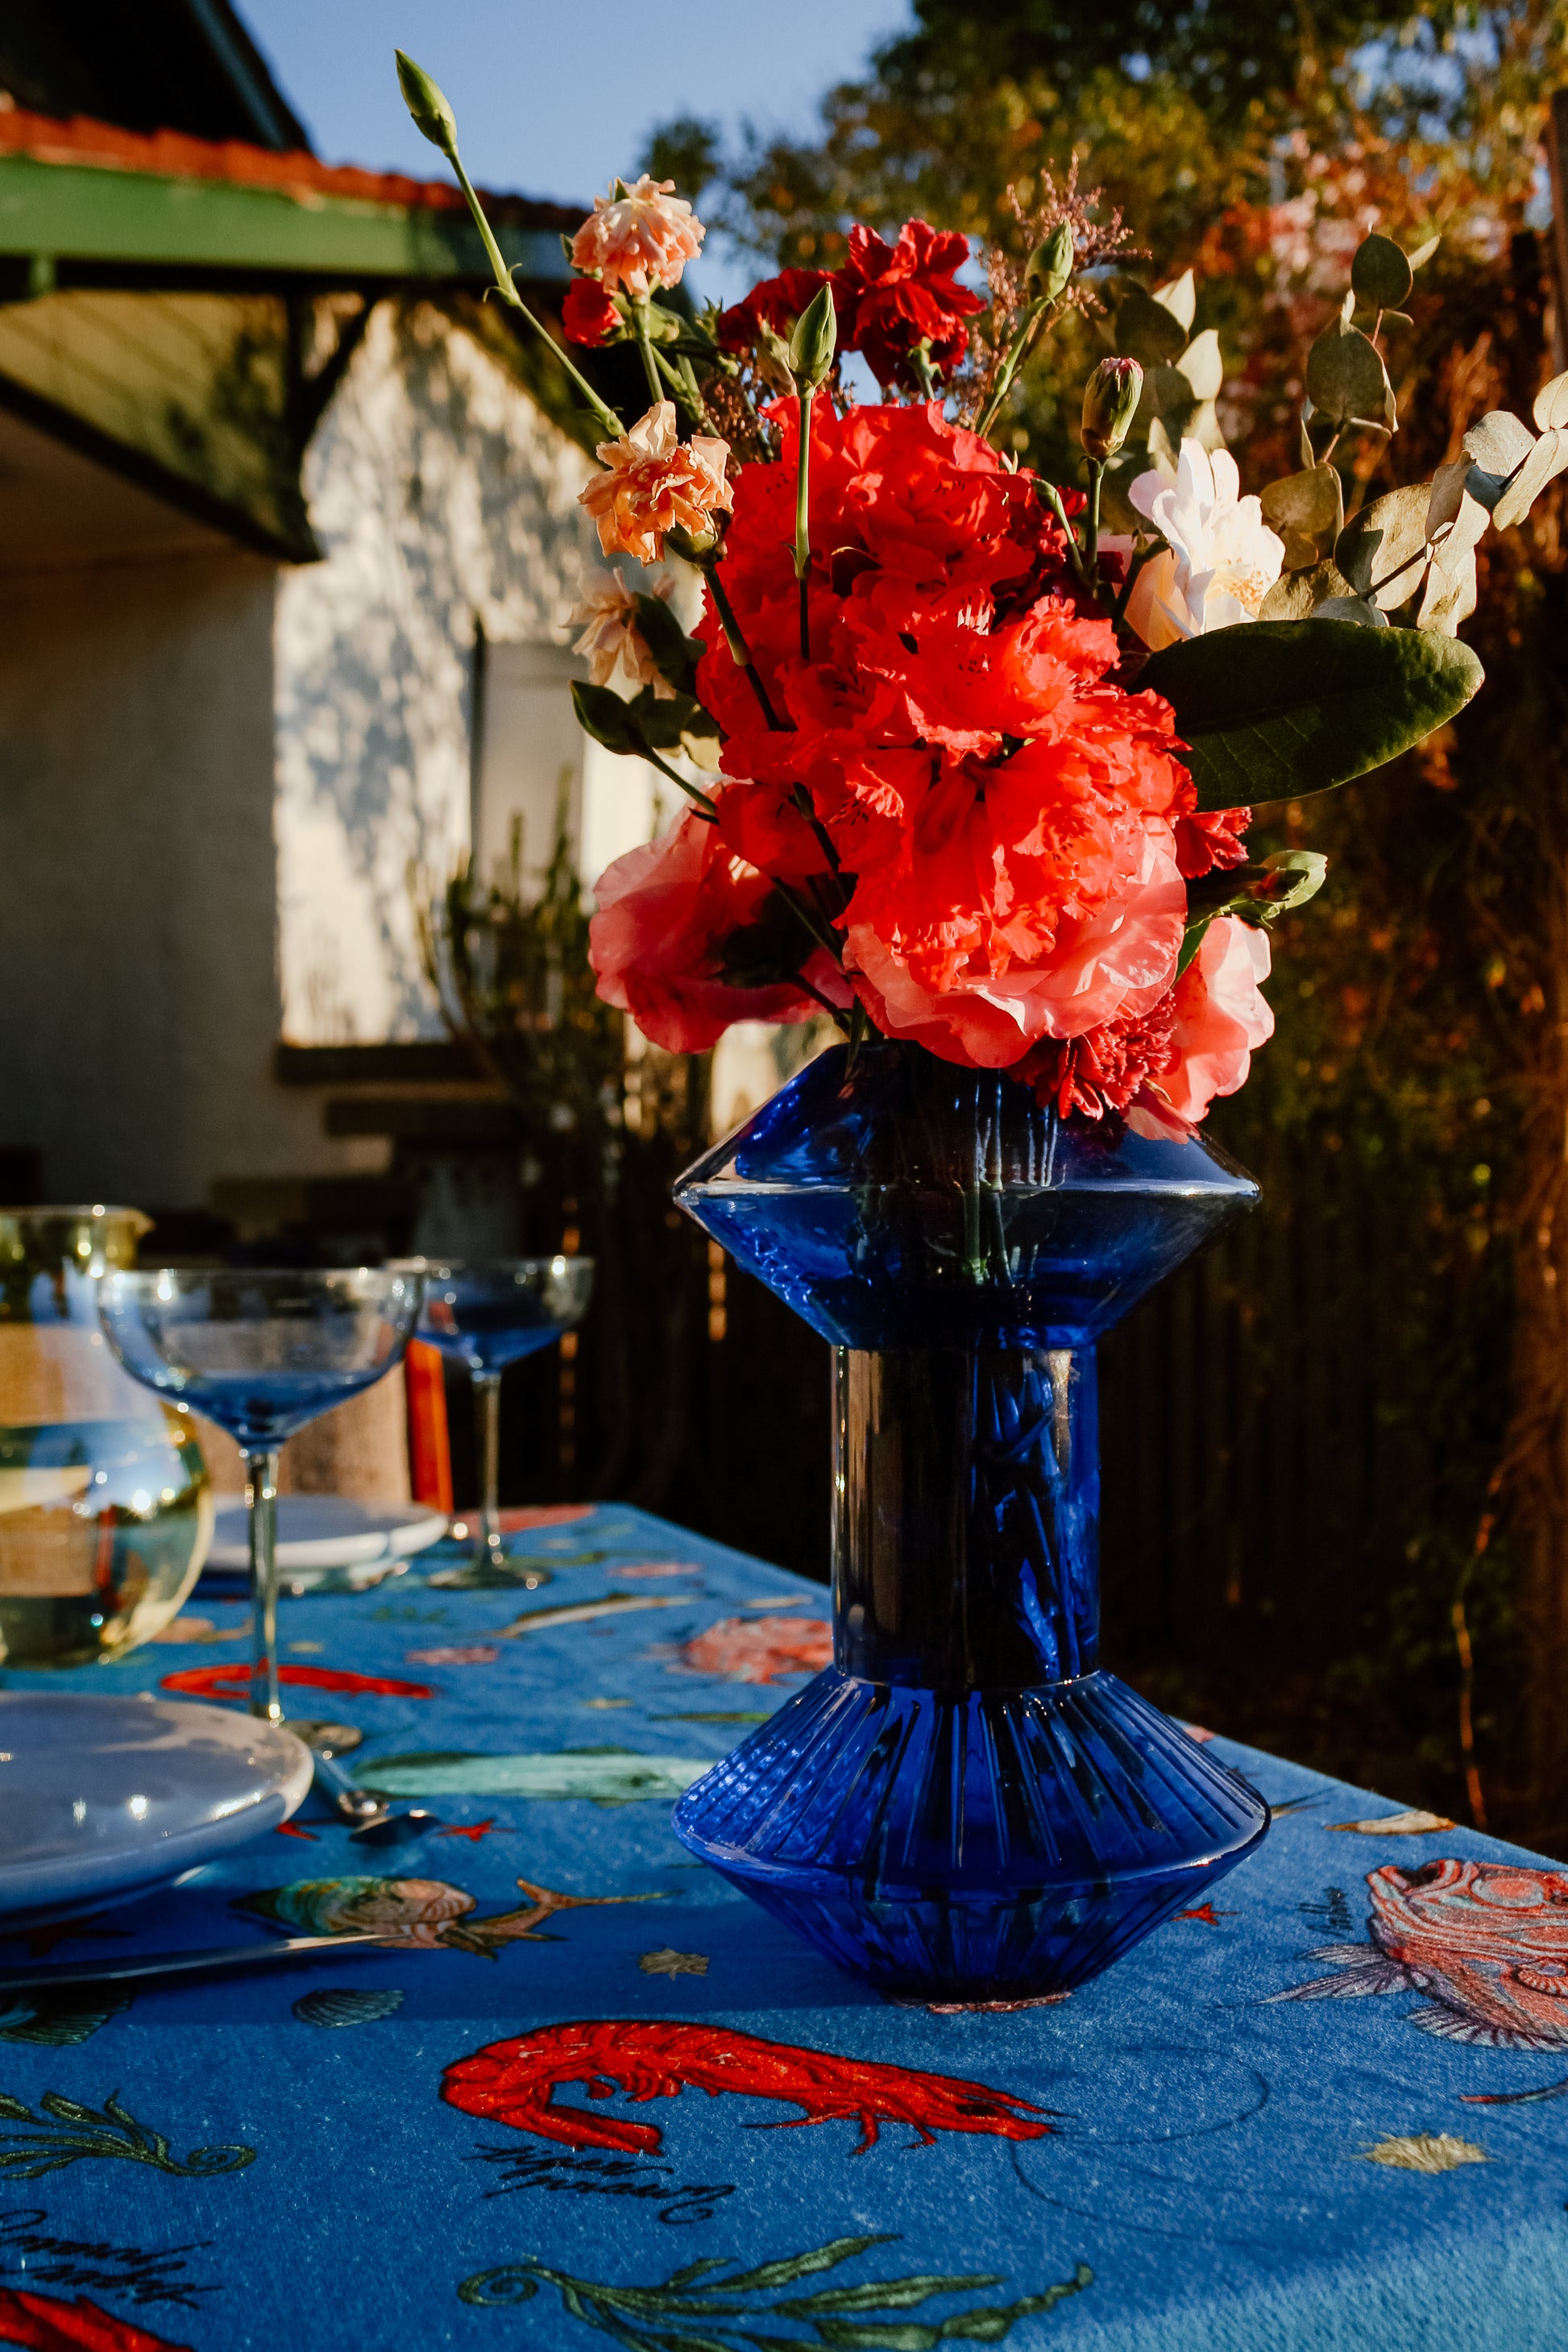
488	1546
261	1505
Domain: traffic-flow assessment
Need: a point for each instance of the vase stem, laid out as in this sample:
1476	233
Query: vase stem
966	1512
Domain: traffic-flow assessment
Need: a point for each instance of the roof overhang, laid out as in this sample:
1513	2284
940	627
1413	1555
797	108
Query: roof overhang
92	226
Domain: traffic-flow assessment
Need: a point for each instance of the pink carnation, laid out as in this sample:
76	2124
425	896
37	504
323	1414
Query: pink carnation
667	914
640	237
1221	1019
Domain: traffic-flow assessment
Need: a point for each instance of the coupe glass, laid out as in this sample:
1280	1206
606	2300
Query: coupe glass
261	1351
487	1316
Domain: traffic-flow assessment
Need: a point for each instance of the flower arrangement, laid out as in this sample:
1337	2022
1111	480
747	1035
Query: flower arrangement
970	755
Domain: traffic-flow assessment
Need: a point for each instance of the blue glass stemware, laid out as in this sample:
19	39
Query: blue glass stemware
261	1351
486	1316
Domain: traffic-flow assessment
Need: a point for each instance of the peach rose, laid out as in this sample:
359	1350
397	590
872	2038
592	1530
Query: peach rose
639	238
608	620
653	482
1221	1019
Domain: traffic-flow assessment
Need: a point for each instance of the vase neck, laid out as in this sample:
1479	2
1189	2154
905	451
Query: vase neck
966	1516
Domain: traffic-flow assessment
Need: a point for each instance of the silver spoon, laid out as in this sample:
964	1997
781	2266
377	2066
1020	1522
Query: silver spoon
372	1820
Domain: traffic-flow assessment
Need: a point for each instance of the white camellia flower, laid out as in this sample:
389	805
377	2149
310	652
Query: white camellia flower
1220	557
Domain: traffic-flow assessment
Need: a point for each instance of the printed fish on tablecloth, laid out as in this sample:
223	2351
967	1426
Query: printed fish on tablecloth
1486	1942
425	1914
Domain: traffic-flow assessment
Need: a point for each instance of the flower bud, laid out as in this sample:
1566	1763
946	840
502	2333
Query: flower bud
814	341
1110	400
1050	266
426	103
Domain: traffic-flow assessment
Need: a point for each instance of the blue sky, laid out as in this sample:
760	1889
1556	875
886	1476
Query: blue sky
553	96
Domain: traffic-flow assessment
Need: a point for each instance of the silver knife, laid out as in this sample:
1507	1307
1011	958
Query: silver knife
182	1964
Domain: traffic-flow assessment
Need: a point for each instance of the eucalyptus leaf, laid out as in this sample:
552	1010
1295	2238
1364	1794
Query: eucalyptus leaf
1450	594
1297	594
1424	253
676	655
1308	510
1546	460
1551	409
1201	365
1381	551
1148	331
1448	495
1180	296
1346	380
1271	710
1500	444
1381	273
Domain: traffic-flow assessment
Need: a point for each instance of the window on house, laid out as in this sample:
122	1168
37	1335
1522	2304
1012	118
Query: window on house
528	748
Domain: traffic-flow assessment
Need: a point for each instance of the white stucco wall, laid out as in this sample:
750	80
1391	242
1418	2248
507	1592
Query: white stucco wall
137	899
440	494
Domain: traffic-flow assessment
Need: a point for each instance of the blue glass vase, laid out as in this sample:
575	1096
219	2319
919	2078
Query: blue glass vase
964	1806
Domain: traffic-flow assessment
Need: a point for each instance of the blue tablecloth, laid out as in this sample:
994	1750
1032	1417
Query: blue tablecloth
598	2091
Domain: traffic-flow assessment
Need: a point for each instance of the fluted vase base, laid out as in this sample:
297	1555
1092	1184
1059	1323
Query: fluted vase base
998	1846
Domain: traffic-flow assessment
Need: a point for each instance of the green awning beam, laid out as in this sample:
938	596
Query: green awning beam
82	213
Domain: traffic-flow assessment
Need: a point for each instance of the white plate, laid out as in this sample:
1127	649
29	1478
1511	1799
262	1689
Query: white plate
104	1798
316	1532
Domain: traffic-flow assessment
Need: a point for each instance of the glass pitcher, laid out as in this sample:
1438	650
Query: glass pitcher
106	1510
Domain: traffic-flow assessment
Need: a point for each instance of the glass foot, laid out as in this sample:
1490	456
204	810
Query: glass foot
996	1847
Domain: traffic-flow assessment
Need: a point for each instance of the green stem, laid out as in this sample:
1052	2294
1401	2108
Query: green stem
824	839
1053	498
1018	352
1092	532
508	293
706	806
802	520
738	650
649	364
823	935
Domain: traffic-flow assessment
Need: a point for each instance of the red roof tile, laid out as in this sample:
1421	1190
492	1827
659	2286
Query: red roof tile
171	154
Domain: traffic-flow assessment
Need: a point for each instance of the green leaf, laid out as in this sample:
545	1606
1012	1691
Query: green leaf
13	2109
824	2258
1345	376
1551	409
1201	365
1273	710
1381	274
989	2326
1148	331
878	2336
68	2111
689	2271
641	725
1308	510
676	655
1546	460
885	2295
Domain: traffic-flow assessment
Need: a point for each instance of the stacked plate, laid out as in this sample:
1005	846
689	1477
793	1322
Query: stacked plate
325	1543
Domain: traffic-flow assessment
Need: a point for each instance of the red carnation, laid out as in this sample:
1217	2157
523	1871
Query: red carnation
777	303
894	297
588	315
